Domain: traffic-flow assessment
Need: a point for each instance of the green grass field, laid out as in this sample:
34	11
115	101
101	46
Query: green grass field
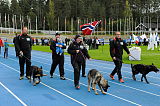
147	57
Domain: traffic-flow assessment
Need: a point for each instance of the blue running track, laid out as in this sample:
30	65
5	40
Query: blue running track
56	92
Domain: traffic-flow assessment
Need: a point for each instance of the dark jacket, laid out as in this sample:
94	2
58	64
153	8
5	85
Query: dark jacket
53	47
14	39
23	43
116	48
77	57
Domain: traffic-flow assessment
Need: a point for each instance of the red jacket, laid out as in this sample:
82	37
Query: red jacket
1	42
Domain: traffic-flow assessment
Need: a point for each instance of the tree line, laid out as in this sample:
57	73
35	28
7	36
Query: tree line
68	14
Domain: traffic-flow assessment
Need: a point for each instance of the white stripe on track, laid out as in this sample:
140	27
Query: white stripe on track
12	93
86	86
50	88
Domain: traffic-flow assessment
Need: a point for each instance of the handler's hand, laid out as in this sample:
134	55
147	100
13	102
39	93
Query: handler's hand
77	51
90	59
129	55
21	54
114	58
60	46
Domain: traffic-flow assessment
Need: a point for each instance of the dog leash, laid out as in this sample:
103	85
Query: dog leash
27	58
133	57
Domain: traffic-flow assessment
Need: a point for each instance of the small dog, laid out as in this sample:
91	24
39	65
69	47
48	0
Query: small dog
143	69
36	72
95	77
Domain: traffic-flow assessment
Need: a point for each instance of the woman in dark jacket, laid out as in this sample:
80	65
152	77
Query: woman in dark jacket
78	55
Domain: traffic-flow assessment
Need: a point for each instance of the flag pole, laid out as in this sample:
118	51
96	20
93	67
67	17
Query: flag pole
8	24
105	25
112	27
65	25
13	22
1	22
36	26
120	24
109	26
16	23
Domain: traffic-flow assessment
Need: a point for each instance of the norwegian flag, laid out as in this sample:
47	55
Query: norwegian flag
89	27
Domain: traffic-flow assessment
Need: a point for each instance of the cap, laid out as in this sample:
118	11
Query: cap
77	36
57	34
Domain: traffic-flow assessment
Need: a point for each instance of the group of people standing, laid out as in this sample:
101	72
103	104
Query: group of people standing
78	52
76	49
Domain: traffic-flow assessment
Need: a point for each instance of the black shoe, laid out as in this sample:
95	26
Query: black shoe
77	87
83	75
51	75
62	78
28	77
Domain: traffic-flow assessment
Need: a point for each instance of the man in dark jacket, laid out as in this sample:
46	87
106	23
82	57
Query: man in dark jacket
116	51
57	56
14	41
23	44
78	55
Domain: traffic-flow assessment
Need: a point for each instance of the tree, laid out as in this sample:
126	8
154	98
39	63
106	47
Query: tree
15	8
4	10
51	15
127	10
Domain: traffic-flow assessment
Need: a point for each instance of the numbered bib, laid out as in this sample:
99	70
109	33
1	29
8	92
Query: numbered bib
121	43
28	39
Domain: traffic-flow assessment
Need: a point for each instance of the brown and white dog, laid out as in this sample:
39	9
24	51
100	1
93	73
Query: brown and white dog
94	78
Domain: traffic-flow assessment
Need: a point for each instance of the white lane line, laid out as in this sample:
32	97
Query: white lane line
50	87
98	89
99	71
64	94
101	67
13	94
119	84
69	57
102	72
107	92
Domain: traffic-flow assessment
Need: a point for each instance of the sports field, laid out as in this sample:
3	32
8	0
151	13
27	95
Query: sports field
15	92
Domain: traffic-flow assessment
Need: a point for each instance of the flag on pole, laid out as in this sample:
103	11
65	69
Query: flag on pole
89	27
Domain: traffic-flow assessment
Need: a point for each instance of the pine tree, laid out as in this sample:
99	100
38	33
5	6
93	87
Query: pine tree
51	15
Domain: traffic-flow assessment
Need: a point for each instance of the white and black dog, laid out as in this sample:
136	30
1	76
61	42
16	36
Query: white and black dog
143	69
94	78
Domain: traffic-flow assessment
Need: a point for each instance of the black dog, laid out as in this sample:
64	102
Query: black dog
36	72
143	69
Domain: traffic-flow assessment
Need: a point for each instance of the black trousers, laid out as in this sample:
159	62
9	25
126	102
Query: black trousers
0	49
5	52
77	67
57	60
83	67
22	61
117	69
16	51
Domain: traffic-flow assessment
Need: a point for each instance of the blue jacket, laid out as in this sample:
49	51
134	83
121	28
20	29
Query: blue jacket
6	45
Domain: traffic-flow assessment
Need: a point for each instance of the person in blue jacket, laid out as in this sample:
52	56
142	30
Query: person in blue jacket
6	45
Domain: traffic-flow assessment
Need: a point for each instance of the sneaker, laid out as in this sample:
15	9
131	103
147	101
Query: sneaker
37	82
62	78
77	87
111	76
83	75
21	77
121	80
51	76
28	77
